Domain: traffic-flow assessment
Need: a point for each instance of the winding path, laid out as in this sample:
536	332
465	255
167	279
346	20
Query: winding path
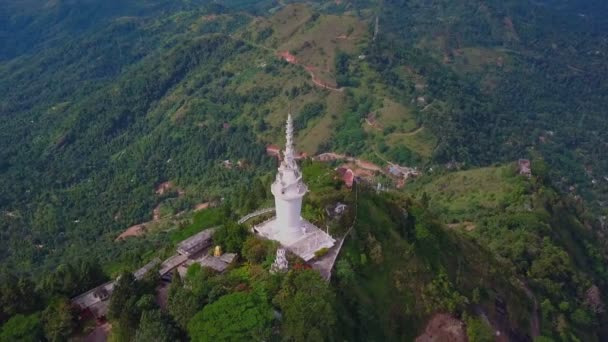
310	69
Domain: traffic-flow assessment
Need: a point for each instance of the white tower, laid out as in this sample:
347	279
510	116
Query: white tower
293	232
288	190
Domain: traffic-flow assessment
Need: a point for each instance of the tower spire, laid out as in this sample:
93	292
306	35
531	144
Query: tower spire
289	149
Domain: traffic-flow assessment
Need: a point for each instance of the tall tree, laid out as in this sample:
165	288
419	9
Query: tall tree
238	316
22	328
155	327
124	290
306	302
58	320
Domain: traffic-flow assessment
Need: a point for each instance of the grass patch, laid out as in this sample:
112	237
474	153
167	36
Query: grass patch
322	129
202	220
394	114
477	59
421	141
462	195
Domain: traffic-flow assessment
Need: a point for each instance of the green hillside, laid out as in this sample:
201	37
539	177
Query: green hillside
118	114
535	233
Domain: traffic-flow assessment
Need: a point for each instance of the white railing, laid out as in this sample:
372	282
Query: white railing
254	214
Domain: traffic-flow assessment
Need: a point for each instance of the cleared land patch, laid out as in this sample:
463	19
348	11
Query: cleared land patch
421	141
321	130
314	40
475	59
459	195
397	115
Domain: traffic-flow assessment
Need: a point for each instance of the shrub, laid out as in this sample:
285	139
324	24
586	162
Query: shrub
321	252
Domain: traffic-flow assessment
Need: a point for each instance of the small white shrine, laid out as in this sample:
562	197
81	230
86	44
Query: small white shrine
280	263
288	227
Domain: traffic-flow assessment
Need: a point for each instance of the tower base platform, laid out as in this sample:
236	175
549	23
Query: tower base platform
303	245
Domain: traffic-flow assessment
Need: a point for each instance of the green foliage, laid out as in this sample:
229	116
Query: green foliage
128	133
479	331
153	326
202	220
440	295
582	318
22	328
73	278
238	316
183	304
231	236
309	112
102	101
351	137
321	252
345	272
58	320
553	271
257	250
402	155
125	289
129	299
16	296
307	305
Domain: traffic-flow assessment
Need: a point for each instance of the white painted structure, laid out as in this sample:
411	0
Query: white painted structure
288	190
280	262
288	227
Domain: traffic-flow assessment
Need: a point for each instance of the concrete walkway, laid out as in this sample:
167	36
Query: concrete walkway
326	263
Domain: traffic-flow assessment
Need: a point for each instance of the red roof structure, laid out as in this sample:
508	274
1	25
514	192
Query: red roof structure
347	175
524	168
288	57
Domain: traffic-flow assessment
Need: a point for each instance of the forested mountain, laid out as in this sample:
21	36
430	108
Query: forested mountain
103	103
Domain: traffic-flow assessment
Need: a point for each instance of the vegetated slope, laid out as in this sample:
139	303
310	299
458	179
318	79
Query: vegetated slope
95	122
75	123
35	25
94	119
533	232
399	266
521	261
505	78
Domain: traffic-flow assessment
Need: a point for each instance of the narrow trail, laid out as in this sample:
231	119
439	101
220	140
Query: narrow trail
310	69
318	83
414	132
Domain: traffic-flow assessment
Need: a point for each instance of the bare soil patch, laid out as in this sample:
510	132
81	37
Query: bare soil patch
443	328
202	206
466	225
164	187
136	230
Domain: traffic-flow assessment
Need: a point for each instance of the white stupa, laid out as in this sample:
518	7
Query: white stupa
288	227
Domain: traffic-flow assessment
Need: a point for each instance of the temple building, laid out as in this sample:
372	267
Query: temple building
288	227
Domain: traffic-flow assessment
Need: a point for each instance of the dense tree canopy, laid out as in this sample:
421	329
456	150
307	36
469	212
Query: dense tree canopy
235	317
306	303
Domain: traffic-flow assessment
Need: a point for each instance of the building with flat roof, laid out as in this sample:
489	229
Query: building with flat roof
196	243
